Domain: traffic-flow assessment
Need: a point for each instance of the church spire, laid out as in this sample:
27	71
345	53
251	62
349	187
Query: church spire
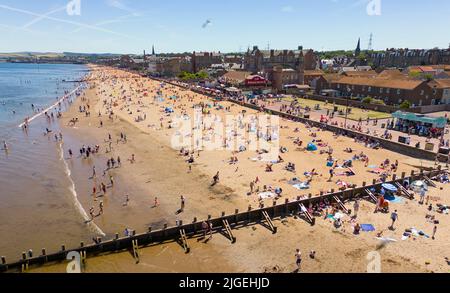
358	48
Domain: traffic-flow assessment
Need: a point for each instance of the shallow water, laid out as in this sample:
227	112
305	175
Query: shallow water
38	207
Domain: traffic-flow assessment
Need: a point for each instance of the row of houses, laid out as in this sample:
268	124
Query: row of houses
391	86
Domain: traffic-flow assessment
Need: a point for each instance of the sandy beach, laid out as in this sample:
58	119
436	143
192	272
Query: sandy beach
134	118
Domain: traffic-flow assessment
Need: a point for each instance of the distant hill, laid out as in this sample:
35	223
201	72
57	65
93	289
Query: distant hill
53	55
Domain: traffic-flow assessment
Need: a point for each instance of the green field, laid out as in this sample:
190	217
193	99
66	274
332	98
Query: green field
356	113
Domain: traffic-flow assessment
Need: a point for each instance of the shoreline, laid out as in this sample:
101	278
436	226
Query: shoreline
159	171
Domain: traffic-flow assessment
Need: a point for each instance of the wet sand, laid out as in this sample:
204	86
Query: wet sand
160	171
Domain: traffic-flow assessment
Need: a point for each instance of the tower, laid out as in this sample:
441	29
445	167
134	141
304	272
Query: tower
358	48
301	68
153	50
144	55
370	47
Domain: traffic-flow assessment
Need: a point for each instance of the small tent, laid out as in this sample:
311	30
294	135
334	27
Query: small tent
311	147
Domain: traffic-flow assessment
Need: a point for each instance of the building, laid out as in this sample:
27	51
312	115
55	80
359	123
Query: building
258	60
391	91
167	66
403	58
247	82
443	88
428	72
281	76
203	60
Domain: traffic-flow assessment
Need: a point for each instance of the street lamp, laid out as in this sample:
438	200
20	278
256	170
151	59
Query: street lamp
346	109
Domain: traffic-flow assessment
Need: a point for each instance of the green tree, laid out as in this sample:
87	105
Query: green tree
405	105
367	100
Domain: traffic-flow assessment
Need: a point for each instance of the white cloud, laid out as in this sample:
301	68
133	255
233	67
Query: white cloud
122	6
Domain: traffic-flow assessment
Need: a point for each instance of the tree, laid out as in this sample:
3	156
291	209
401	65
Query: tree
405	105
367	100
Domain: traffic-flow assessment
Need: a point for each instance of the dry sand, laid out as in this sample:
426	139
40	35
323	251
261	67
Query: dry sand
160	171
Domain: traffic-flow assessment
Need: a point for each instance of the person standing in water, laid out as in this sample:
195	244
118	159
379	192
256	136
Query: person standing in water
5	145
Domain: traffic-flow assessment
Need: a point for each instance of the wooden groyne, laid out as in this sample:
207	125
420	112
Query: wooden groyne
224	224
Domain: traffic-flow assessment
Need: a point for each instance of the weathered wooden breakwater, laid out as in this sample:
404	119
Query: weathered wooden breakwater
224	224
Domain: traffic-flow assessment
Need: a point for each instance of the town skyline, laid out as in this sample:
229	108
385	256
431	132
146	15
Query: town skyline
129	27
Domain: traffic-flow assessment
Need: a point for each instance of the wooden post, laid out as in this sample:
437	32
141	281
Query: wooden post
223	214
195	220
3	260
394	177
63	247
274	203
30	253
24	255
364	184
412	173
374	181
403	175
286	202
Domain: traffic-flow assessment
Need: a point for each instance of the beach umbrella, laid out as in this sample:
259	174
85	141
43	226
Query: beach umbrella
390	187
419	185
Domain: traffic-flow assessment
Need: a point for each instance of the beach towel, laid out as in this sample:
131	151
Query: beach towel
294	181
386	239
264	195
301	186
367	227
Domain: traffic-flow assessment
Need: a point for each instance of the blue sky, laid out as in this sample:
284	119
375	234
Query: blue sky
129	26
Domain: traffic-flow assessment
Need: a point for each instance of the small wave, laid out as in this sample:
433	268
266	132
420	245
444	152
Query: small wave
51	107
76	202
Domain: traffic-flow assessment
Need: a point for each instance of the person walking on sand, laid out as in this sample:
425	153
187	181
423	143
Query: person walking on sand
156	202
216	178
331	175
434	233
127	200
111	180
93	172
101	207
91	212
183	203
298	260
394	218
205	228
356	208
210	228
252	187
